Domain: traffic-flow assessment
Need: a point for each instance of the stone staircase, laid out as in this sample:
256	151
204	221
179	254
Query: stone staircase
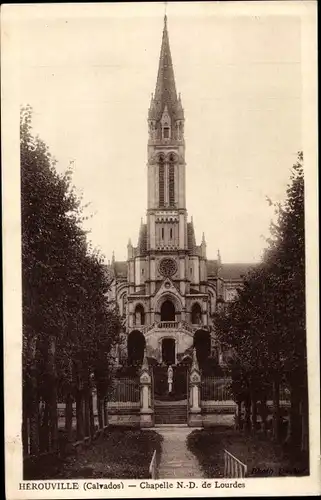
170	413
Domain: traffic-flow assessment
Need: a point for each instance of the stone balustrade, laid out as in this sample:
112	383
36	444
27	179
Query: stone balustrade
167	325
145	329
171	325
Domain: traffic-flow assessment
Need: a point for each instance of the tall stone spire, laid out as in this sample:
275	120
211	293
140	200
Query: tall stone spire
142	242
129	249
166	159
165	87
165	92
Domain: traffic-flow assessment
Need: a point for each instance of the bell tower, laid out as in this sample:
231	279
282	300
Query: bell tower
167	290
166	213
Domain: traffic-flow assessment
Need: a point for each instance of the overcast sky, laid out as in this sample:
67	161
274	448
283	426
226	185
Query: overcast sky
89	71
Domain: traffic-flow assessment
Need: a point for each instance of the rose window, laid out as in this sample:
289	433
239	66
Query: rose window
167	267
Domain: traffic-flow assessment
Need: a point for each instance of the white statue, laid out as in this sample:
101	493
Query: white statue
170	379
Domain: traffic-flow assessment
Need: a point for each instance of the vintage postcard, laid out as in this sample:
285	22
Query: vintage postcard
160	243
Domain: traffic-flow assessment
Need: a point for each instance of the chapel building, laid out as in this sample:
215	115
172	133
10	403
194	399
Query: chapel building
168	291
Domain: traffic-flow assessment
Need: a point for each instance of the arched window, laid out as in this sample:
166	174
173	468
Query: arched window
212	302
166	132
168	311
123	303
139	315
161	181
166	129
196	314
171	181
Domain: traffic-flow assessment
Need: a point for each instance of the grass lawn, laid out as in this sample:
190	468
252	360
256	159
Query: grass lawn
121	453
262	457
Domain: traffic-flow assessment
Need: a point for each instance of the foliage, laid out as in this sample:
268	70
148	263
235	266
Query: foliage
265	326
263	458
120	453
69	327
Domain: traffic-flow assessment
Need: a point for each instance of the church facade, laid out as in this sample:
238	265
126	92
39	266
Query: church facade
168	291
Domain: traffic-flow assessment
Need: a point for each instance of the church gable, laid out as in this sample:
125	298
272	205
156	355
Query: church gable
167	288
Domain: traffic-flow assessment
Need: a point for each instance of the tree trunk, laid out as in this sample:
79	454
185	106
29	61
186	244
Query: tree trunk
91	415
276	410
34	429
34	400
25	436
238	421
264	414
68	416
69	400
80	416
105	411
53	394
87	408
25	424
80	409
254	413
248	414
101	413
295	434
100	403
305	424
44	441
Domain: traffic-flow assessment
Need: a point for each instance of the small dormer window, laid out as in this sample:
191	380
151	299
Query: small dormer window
166	132
166	124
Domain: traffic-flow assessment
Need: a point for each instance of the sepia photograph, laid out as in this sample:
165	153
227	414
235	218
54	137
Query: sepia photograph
160	236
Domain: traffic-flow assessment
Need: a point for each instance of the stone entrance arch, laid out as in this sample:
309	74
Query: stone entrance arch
168	306
135	347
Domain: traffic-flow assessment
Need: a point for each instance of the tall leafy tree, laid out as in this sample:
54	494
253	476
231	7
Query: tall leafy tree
266	325
285	261
68	324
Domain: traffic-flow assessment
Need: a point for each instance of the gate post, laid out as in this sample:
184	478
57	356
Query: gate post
195	417
146	411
